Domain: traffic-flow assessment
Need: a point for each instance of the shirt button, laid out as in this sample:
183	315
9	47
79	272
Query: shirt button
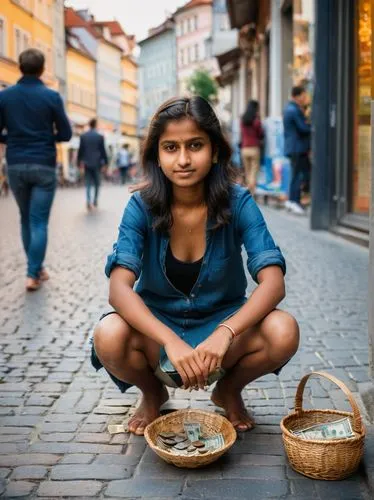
192	295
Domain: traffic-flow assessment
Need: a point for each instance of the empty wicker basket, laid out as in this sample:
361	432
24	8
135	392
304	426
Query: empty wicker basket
328	459
211	423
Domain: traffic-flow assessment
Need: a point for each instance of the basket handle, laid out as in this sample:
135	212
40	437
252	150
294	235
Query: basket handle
357	420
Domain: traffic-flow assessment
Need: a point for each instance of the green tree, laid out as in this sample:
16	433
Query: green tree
202	84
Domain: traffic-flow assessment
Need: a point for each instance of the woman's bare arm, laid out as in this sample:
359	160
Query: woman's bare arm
264	299
132	309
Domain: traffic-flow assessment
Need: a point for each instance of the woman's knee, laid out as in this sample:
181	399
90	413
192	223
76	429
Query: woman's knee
111	337
282	332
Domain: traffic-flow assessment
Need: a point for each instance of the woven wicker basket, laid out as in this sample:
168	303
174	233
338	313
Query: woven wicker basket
330	459
211	423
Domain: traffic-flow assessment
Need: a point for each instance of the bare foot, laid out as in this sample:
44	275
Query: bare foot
233	404
148	411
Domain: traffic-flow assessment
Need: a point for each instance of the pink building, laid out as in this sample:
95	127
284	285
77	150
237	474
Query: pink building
193	24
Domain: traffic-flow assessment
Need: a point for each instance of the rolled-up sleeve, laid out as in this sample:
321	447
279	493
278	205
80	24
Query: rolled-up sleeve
260	247
128	250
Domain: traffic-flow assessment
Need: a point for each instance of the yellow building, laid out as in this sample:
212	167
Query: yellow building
81	82
25	24
129	96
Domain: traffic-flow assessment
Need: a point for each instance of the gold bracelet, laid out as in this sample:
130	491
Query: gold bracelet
234	334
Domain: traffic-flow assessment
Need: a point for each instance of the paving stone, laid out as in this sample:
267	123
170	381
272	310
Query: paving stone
77	458
90	471
28	459
144	488
29	472
121	460
74	448
55	489
18	489
4	472
236	488
61	427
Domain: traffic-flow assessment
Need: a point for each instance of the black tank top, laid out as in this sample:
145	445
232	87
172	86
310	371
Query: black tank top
182	275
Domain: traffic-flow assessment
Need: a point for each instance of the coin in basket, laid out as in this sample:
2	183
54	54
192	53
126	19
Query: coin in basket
198	444
168	442
202	450
180	439
191	449
181	446
167	435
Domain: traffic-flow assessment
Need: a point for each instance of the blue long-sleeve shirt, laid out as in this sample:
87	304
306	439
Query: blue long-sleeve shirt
34	119
296	130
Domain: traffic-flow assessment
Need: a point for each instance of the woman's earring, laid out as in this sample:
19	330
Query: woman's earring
215	158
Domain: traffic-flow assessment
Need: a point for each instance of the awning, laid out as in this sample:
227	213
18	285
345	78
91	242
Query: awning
242	12
78	118
229	63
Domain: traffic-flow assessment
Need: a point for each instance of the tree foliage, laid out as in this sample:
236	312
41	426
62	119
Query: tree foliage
202	84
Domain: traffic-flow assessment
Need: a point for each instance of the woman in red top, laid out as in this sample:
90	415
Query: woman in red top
251	134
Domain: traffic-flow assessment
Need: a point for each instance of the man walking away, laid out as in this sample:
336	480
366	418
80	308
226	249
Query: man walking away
124	163
34	119
92	157
297	132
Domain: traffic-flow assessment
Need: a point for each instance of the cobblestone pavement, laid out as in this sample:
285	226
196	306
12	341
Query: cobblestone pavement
54	408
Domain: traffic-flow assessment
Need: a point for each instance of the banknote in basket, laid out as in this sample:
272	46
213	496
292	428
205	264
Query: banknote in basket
338	429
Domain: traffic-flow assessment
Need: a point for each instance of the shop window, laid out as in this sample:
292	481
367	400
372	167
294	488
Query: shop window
361	181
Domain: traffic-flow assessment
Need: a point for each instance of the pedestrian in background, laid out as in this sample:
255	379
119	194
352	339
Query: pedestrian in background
188	321
297	134
34	119
252	135
124	163
92	158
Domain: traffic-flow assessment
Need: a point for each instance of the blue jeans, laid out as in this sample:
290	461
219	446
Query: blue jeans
92	178
34	188
300	175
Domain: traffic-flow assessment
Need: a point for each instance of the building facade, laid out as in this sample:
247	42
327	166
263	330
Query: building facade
59	46
96	38
81	78
129	83
25	24
193	25
157	71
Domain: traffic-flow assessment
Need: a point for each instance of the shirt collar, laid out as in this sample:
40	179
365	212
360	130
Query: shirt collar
29	79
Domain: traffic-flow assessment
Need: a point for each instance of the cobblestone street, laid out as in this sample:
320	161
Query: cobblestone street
54	407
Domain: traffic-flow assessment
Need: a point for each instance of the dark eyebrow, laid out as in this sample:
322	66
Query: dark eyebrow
170	141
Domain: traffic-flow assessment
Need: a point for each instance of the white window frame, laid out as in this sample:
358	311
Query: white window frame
4	41
24	35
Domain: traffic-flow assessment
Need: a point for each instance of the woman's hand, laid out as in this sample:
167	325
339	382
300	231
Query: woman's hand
213	349
187	361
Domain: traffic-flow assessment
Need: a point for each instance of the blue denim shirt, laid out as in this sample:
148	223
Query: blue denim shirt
221	285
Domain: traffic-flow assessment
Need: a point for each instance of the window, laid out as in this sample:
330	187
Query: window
191	54
195	22
185	23
196	52
2	37
189	24
178	29
181	58
22	41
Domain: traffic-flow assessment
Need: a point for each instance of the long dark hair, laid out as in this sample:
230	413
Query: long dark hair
158	193
250	113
